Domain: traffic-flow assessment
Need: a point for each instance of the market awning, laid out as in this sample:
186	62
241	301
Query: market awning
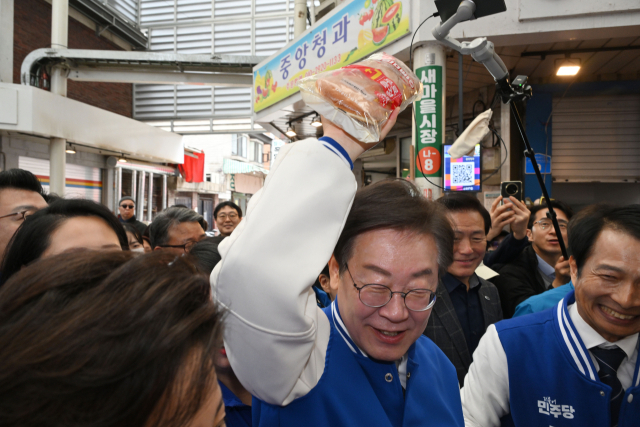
234	166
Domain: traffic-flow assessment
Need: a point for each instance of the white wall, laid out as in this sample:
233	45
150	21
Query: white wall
6	41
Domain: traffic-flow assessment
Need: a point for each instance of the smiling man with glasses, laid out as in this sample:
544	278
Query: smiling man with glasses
21	194
227	215
362	361
540	266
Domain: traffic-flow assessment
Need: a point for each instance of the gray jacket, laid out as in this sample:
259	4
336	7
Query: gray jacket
445	331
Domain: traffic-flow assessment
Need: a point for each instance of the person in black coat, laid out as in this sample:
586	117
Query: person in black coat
465	304
539	266
127	209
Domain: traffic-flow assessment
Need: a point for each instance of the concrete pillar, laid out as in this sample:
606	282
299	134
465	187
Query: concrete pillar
6	41
59	39
150	199
140	201
134	176
430	117
312	12
299	17
109	193
118	186
164	192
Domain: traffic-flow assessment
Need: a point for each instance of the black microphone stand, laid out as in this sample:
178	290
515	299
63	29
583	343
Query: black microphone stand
519	90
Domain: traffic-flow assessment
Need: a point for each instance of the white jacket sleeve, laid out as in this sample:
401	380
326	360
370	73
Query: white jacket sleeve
485	395
275	335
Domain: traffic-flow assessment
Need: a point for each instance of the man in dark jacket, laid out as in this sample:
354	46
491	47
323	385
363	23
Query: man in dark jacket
127	208
465	304
540	266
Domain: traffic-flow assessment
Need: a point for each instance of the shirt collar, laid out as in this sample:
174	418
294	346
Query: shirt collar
342	329
545	268
451	283
591	338
228	397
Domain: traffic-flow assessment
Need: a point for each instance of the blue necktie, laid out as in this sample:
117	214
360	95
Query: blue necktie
609	360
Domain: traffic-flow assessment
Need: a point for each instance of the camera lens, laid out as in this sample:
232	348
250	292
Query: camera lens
511	189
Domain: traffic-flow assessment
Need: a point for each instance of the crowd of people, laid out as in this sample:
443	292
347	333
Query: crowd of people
325	306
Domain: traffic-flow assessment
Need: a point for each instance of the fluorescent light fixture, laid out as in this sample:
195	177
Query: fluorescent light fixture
568	66
316	122
568	70
290	132
70	150
122	160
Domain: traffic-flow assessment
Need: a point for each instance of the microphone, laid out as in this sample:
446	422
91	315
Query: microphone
472	135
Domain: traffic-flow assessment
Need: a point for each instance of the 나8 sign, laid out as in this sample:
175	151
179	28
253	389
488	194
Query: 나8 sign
429	160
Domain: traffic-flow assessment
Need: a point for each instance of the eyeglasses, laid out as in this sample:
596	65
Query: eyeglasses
376	296
545	223
127	206
231	215
186	247
22	215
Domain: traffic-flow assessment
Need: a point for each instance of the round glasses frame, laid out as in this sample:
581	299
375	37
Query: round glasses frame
186	247
432	295
545	223
23	215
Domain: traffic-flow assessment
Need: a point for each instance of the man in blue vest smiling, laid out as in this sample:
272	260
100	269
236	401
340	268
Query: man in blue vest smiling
362	361
575	364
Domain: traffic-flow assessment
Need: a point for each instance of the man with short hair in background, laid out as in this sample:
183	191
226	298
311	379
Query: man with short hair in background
176	229
465	304
575	364
127	209
227	216
21	194
540	266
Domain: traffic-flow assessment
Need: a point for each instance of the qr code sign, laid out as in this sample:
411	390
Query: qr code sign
462	174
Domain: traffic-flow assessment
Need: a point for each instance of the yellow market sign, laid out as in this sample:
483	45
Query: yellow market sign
353	32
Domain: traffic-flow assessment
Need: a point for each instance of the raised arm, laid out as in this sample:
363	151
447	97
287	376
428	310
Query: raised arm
275	335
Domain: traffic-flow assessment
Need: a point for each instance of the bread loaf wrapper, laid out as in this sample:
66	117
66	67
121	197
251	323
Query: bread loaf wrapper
360	97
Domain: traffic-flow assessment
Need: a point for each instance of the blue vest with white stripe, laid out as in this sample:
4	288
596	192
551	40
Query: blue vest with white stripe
357	391
552	379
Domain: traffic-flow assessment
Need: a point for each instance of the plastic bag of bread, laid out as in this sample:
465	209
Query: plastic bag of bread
360	97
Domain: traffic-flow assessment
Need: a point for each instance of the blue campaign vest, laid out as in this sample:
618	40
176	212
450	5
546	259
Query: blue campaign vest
357	391
552	379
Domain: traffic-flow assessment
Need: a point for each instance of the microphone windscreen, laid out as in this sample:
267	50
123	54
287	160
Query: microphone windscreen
472	135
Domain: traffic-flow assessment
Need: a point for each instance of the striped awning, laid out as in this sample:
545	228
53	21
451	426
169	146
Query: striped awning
234	166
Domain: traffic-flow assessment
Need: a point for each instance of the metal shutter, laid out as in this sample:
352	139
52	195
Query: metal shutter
271	35
271	6
154	101
194	101
128	8
596	138
156	11
231	7
232	39
232	101
193	9
81	181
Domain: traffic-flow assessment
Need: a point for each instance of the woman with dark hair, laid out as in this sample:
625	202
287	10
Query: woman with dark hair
105	339
237	400
206	254
63	226
146	241
136	243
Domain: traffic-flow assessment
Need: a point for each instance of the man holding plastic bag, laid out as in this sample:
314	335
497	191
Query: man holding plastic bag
362	361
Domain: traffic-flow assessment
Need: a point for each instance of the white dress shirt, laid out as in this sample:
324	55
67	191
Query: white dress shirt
485	395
